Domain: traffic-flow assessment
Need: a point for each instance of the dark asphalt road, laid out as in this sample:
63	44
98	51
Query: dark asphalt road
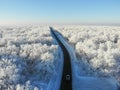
65	84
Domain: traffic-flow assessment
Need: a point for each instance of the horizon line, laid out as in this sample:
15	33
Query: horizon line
60	23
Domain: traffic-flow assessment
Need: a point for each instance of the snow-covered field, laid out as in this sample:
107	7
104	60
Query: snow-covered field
29	58
97	49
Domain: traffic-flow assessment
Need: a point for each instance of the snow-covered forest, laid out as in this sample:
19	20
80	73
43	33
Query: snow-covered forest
97	49
28	58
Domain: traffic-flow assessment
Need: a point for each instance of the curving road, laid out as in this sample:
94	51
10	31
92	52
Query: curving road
66	82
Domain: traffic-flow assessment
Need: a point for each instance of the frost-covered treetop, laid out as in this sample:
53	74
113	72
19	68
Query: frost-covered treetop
27	57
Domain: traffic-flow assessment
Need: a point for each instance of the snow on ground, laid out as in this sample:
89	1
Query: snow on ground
97	49
29	58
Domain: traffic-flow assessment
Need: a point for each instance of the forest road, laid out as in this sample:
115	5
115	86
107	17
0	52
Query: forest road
66	81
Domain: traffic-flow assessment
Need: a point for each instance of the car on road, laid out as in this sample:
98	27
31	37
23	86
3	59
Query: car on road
67	77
